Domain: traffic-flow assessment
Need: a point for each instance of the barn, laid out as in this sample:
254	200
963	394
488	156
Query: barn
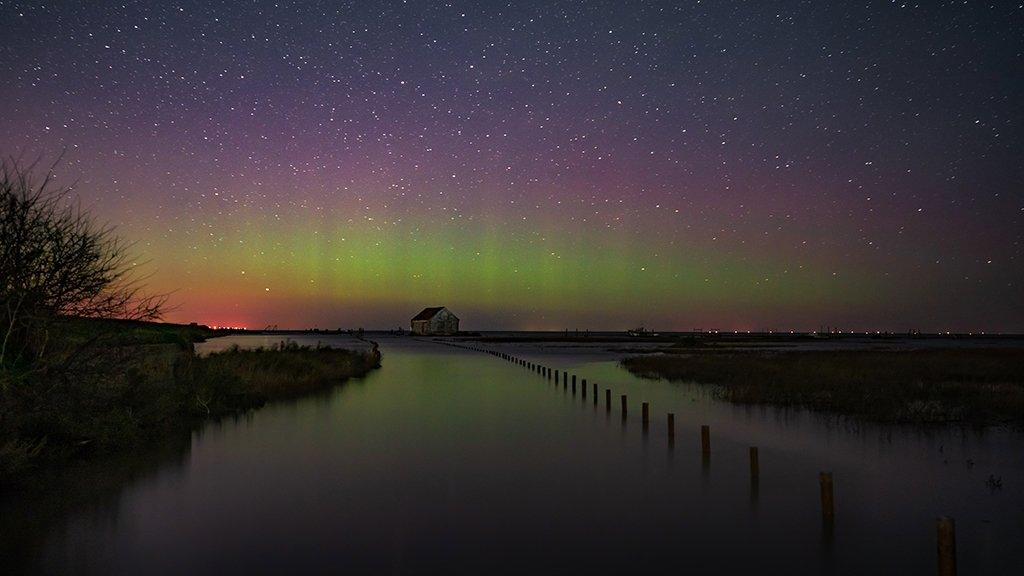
439	320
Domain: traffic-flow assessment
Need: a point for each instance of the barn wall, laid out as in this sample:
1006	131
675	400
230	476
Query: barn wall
444	322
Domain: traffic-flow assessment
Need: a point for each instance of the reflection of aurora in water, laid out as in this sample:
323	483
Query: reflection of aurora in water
449	458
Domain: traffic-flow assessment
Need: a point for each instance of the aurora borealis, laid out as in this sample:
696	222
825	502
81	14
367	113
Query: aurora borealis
542	165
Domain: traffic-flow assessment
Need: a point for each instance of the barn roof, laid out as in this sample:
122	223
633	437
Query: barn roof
427	313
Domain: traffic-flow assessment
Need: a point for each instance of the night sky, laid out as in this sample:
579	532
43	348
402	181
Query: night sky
542	165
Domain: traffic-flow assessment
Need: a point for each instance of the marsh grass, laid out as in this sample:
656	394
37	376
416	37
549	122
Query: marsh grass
242	378
140	393
969	386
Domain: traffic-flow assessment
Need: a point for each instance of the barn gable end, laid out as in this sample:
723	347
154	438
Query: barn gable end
436	320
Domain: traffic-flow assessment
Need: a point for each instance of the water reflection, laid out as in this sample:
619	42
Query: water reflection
447	460
51	507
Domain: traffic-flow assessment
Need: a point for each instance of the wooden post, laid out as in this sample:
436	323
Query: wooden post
565	379
645	415
671	428
947	546
595	394
755	466
623	406
584	384
607	400
828	507
574	385
705	439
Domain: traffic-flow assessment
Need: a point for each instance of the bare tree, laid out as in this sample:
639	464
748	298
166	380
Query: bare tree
56	261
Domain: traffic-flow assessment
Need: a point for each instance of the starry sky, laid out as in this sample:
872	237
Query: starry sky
542	165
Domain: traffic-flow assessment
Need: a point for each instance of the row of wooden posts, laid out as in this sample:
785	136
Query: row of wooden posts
945	527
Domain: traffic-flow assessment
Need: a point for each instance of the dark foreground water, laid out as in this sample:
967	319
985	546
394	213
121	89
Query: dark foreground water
452	461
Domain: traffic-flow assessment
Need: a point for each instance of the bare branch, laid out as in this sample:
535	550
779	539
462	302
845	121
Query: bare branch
57	261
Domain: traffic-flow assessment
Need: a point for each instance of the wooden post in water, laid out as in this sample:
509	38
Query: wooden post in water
584	385
573	384
565	379
755	466
828	506
705	439
947	546
595	394
623	406
671	428
607	400
645	415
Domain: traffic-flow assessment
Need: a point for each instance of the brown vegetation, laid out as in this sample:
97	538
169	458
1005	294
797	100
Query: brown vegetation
972	386
150	390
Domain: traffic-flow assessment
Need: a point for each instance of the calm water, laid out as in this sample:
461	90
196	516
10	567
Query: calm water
447	460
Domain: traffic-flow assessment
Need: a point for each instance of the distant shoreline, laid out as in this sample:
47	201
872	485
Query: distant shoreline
752	339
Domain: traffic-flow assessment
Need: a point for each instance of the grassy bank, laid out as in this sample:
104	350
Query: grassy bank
970	386
129	395
238	379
